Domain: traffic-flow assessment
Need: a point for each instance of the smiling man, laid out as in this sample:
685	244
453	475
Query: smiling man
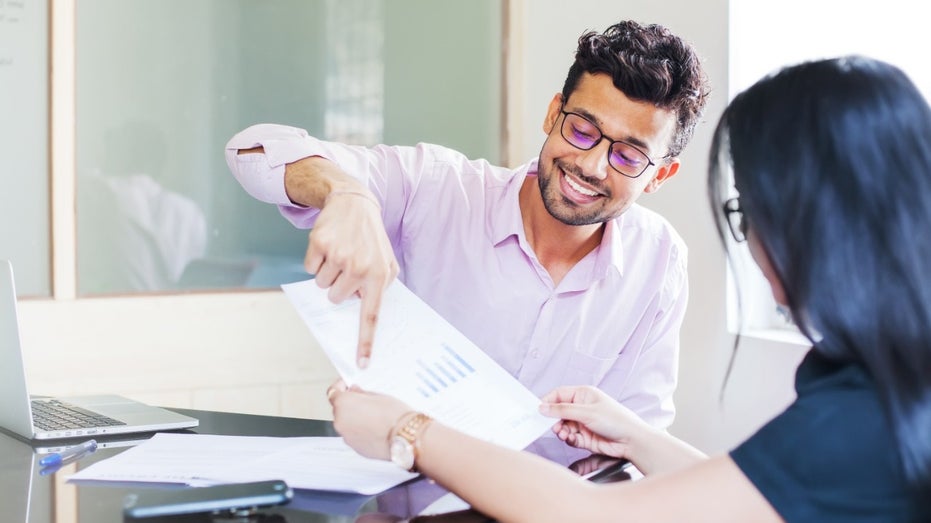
551	268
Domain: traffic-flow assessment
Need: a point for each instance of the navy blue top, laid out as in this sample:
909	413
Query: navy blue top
831	456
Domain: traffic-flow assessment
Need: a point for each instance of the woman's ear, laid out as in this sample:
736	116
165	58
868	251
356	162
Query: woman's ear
763	261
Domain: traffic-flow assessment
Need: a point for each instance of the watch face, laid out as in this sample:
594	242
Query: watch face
402	453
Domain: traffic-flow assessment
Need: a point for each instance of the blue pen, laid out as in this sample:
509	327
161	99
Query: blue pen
69	454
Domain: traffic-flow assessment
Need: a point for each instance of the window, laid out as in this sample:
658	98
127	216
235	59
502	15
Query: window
766	36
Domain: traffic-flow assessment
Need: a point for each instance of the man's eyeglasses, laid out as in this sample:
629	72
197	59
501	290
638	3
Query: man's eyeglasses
735	220
625	158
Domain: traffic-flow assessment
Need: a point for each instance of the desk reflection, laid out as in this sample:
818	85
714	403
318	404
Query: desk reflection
29	496
461	516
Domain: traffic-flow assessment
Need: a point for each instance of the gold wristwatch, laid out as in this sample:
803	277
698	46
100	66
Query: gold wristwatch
404	442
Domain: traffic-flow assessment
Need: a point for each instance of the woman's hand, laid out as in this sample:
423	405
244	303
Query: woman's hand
365	420
592	420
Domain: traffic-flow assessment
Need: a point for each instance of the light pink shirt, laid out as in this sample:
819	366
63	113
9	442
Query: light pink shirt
455	225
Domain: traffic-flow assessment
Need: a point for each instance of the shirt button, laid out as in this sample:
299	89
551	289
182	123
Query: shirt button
535	354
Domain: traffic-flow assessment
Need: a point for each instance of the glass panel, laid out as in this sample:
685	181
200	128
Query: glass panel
158	96
24	174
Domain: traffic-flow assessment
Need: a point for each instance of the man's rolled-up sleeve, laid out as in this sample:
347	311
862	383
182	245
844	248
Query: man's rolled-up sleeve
262	175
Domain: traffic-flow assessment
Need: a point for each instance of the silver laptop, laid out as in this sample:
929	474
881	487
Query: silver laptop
44	418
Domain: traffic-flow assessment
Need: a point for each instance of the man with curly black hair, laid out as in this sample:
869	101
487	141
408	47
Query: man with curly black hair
551	267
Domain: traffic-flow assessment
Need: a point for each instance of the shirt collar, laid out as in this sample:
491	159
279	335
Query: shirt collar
611	251
503	225
510	223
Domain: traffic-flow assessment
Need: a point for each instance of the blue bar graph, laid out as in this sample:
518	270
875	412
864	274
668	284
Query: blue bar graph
441	373
458	357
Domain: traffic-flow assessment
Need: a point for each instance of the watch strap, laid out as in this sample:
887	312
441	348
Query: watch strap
411	429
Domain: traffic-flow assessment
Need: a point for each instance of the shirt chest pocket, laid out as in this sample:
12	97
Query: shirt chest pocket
585	369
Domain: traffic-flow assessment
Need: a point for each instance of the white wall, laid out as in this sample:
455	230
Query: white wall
249	352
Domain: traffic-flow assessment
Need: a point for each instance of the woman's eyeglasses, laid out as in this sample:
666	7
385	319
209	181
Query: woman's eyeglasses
735	219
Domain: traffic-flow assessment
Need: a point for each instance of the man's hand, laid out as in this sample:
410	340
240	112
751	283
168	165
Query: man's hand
350	254
348	251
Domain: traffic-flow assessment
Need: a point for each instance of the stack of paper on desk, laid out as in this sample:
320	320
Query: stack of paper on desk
202	459
417	357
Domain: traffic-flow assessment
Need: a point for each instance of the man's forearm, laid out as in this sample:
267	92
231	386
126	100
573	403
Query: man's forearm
310	180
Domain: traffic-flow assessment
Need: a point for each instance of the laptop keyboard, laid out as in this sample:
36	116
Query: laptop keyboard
55	415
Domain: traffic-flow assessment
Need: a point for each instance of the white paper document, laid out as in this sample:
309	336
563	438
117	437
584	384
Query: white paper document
419	358
316	463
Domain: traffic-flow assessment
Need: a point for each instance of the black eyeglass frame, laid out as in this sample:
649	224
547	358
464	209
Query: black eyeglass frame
603	136
734	216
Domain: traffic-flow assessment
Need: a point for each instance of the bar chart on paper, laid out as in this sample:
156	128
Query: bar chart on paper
441	372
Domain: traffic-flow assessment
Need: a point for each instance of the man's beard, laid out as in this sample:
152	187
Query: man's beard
565	211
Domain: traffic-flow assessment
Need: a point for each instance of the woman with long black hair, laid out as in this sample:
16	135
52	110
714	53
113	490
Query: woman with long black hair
824	169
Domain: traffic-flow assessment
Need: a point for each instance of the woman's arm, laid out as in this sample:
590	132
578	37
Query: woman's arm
517	486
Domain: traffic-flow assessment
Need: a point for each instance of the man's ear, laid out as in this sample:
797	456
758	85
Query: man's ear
552	113
663	173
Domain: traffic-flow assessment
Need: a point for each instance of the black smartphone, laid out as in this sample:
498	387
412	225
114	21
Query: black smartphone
234	498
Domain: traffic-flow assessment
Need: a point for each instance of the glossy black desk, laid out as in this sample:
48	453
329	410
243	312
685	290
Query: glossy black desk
28	496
